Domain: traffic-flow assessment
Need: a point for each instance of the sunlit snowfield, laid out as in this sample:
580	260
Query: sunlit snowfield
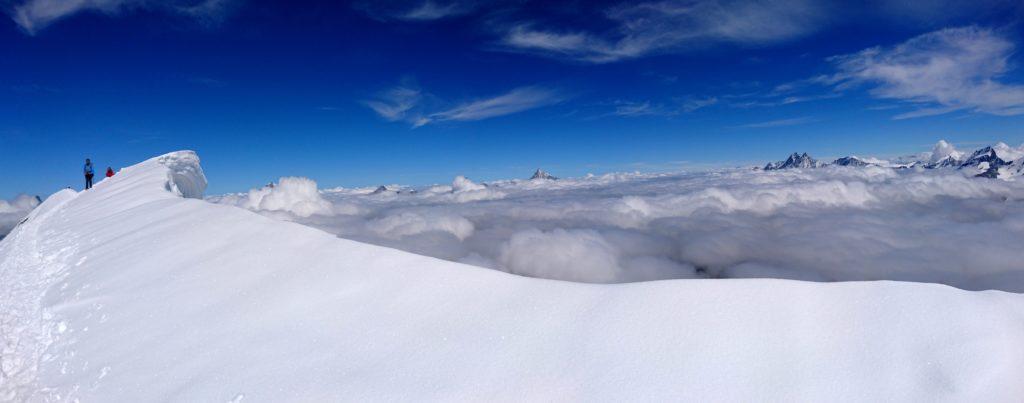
827	224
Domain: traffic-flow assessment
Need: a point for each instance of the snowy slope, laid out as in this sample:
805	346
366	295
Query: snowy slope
131	292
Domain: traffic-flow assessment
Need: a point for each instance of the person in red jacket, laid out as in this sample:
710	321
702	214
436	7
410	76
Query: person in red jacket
110	172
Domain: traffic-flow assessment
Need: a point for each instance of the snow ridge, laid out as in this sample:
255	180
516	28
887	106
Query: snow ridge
185	176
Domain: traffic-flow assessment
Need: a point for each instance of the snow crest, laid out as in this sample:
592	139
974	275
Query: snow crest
185	177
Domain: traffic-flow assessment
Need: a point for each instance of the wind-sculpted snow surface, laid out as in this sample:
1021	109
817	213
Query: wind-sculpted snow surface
823	224
130	292
185	176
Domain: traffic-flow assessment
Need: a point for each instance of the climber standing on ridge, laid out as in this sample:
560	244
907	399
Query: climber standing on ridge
87	169
110	172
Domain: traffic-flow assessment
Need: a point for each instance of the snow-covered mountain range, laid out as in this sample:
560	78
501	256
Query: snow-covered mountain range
996	161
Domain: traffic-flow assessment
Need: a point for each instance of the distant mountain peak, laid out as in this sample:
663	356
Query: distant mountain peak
851	161
795	160
540	174
986	162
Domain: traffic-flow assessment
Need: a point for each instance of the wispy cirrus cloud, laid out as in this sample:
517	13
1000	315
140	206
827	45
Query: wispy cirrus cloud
397	104
430	10
654	27
779	123
775	98
515	101
207	12
405	103
423	10
35	15
692	104
676	107
953	69
639	109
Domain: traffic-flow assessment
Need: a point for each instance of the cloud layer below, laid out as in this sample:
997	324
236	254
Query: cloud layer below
15	210
829	224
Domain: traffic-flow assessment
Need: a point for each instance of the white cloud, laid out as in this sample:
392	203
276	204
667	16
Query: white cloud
405	104
943	150
638	109
653	27
408	224
208	12
430	10
417	10
298	196
692	104
647	108
396	104
792	99
824	224
13	211
780	123
515	101
35	15
783	94
939	72
574	255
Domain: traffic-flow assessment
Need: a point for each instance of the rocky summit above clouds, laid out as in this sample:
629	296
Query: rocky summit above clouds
851	162
540	174
997	161
795	161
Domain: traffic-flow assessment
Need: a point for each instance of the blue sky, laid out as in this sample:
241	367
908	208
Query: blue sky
368	93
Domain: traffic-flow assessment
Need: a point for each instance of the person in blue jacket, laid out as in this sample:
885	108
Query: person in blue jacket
87	169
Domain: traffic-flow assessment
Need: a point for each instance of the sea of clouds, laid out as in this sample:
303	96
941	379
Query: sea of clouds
826	224
14	210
